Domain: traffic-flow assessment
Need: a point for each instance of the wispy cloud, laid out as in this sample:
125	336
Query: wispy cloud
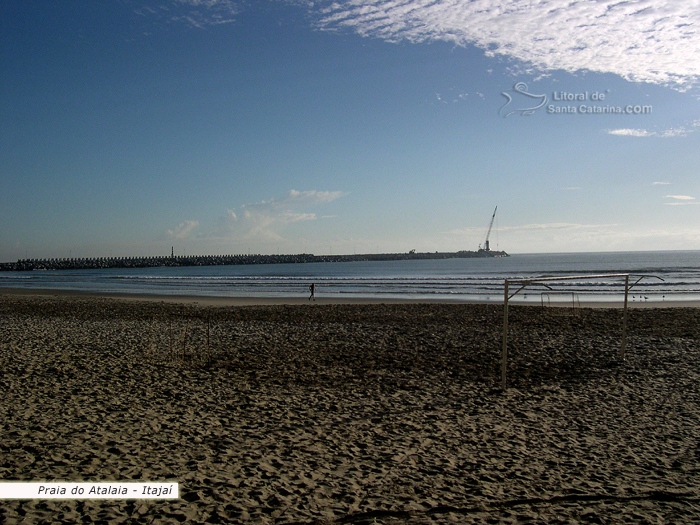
265	220
198	13
310	197
183	230
555	236
631	132
680	200
564	236
659	183
534	227
680	197
638	40
556	226
680	131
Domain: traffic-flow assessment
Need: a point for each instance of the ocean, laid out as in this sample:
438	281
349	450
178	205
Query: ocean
669	276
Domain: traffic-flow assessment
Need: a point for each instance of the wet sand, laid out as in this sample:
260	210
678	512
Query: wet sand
350	413
532	300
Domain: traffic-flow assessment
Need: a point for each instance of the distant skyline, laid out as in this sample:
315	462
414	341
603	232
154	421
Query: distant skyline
287	126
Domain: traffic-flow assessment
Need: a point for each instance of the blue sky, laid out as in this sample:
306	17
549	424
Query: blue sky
218	127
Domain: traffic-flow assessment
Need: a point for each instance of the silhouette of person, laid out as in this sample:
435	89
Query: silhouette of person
312	289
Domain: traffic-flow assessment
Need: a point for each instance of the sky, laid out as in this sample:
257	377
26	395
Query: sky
133	127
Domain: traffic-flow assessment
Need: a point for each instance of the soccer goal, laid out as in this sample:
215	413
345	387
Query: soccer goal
520	284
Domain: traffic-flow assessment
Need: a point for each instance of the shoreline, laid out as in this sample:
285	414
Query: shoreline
301	300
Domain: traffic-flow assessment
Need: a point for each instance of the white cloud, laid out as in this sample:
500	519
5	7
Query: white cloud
674	132
680	131
576	237
660	183
308	197
547	237
260	225
287	217
266	219
680	200
183	230
639	40
556	226
631	132
198	13
546	227
680	197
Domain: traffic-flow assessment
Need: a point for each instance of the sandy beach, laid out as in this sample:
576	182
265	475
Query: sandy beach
350	413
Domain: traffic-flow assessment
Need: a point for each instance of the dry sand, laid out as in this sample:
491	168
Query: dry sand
351	413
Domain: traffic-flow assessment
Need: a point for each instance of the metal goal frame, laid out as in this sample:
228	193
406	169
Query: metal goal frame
524	283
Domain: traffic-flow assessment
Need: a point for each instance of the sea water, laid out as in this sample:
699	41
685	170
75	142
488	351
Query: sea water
668	276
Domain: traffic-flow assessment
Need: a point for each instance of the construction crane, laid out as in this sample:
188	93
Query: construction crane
488	232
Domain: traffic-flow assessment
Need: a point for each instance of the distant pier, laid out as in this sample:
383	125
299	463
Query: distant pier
223	260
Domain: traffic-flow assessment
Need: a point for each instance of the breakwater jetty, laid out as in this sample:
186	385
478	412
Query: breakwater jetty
221	260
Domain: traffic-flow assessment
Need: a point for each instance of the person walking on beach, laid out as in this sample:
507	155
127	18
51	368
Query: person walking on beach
312	289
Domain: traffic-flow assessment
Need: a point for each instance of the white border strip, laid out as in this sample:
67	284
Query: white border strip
88	490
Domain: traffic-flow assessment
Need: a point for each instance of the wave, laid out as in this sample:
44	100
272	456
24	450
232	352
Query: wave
453	278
